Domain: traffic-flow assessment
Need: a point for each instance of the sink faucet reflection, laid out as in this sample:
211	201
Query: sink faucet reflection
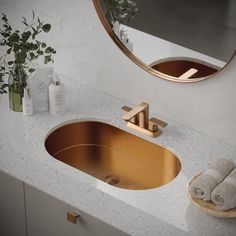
138	119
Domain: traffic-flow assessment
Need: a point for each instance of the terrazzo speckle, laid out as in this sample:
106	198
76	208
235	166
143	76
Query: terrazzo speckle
163	211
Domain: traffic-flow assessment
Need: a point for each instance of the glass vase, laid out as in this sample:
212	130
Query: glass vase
16	82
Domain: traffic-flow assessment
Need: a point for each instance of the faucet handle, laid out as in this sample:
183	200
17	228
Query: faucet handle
135	111
156	121
126	108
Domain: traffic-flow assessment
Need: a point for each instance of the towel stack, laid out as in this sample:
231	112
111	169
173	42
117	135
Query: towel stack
224	195
217	184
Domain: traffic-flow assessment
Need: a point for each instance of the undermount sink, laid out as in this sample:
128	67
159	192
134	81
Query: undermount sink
113	155
178	67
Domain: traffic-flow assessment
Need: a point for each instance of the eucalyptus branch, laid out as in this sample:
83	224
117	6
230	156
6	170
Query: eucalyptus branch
23	46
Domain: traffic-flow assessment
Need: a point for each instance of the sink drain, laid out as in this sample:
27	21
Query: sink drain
112	179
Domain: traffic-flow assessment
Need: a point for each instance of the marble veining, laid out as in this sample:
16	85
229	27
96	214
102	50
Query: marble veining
161	211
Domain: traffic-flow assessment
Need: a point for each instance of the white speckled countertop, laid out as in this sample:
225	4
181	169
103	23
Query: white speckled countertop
162	211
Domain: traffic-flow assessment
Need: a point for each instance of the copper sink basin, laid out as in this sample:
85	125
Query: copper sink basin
113	155
178	66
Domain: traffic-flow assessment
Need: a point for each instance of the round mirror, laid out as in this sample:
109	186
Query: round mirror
181	41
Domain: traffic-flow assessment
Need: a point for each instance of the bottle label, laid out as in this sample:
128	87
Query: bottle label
41	87
59	98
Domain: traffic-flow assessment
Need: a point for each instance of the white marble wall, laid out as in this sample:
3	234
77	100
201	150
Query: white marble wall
85	52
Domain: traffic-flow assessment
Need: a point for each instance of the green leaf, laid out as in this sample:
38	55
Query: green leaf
28	33
49	50
46	28
33	46
5	86
5	35
25	36
16	48
14	38
38	43
32	56
4	18
40	52
35	31
31	70
33	14
10	63
39	21
44	45
20	57
47	59
9	51
25	23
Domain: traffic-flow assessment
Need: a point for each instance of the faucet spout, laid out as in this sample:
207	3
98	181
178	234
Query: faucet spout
142	111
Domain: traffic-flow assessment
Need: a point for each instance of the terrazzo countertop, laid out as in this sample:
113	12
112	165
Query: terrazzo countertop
162	211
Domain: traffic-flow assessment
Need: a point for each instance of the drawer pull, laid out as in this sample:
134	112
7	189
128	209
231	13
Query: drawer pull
72	216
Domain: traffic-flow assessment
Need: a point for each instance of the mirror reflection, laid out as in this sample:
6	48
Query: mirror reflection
185	39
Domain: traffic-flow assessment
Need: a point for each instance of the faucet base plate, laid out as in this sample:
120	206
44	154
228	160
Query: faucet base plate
153	134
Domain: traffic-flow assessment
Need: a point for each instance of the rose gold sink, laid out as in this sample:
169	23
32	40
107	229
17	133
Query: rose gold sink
113	155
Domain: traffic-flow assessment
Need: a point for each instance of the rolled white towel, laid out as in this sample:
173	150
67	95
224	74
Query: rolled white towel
224	195
203	185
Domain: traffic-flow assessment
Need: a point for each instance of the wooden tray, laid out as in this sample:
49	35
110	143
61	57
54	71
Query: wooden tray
209	207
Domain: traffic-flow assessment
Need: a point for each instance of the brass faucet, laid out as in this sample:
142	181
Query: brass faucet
138	119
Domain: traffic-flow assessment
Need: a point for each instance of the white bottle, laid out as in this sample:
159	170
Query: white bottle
27	102
116	28
56	97
126	41
122	30
39	86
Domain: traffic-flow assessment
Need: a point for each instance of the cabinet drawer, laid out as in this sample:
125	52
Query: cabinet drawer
47	216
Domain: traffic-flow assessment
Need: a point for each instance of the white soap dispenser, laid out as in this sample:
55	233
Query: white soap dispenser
56	97
116	28
126	41
27	102
122	30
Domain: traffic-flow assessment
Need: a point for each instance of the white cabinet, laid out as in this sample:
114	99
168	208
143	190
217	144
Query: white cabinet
26	211
12	211
47	216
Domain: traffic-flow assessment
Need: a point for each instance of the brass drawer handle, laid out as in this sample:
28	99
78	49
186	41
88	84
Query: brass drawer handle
72	216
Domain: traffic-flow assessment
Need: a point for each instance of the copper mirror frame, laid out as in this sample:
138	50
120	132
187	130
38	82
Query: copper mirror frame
141	64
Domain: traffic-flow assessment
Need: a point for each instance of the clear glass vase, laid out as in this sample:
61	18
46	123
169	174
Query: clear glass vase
16	82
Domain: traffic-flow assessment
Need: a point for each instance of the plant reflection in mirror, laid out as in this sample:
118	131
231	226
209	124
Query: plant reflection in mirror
119	10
